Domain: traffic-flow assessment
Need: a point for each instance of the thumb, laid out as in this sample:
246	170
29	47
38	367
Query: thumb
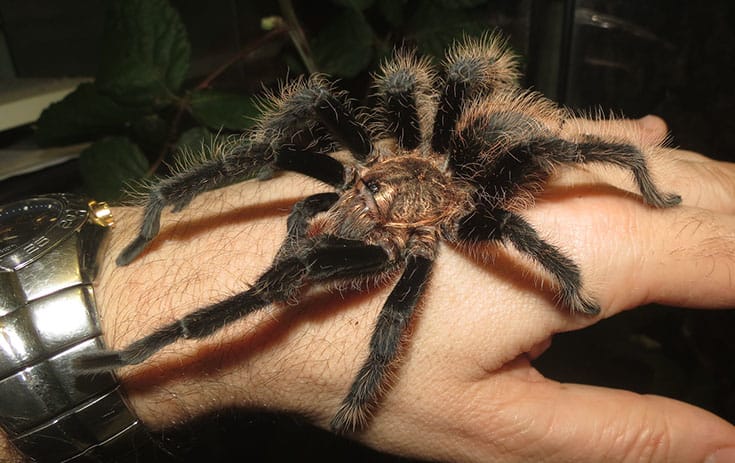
571	422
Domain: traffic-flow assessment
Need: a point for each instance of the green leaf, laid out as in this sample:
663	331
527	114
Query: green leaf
358	5
146	53
344	47
435	28
194	140
217	109
84	114
136	84
109	165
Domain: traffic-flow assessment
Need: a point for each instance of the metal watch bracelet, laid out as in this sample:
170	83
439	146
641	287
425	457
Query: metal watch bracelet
48	316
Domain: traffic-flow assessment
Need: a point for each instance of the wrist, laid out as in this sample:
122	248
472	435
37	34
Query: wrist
210	251
50	256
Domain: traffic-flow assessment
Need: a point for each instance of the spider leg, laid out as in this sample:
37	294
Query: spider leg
546	152
315	165
504	162
405	91
385	346
327	259
453	96
343	124
628	157
472	67
309	104
399	100
181	188
313	102
305	209
494	224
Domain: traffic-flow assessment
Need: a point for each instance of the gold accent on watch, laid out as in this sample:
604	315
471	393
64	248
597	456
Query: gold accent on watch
101	213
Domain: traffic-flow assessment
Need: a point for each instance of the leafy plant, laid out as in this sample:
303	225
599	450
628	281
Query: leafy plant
140	107
132	110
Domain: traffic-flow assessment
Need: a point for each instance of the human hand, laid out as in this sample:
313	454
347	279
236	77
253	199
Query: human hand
472	376
465	389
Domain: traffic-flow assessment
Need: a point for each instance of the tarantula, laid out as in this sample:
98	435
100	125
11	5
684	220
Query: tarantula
450	157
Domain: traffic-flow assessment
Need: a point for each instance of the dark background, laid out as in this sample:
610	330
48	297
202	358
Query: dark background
673	58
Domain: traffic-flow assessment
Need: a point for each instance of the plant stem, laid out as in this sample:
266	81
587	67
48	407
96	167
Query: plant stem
297	35
242	54
168	142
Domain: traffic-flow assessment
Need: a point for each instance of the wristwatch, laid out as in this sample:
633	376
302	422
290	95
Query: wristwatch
50	247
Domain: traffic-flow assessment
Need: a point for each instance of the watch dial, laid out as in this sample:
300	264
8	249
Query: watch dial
23	220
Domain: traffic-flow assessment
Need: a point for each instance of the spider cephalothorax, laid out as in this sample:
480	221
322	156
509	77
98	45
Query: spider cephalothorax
451	157
395	203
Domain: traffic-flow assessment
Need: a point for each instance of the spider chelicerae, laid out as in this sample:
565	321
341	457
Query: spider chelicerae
451	156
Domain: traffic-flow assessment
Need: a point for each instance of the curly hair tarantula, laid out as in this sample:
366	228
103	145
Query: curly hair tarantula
451	156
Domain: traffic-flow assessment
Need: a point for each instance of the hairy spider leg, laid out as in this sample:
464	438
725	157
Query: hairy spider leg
623	155
494	224
399	101
343	124
472	67
327	259
298	220
311	101
385	346
534	159
508	154
454	94
405	92
179	189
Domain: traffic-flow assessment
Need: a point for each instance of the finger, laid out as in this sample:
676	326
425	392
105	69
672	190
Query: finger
654	128
688	156
550	421
690	260
630	254
702	182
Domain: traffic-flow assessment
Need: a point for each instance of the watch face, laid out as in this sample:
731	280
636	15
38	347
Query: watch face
22	220
28	228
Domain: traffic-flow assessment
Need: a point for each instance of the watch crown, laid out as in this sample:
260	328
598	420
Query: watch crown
101	213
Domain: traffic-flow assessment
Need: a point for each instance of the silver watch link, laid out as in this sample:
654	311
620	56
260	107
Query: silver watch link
50	248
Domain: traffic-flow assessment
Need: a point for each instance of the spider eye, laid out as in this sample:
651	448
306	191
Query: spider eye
372	186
